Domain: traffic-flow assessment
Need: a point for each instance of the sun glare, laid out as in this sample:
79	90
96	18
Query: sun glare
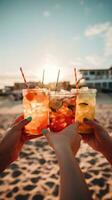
50	65
51	73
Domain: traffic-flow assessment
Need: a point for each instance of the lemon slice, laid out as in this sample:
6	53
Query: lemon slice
83	104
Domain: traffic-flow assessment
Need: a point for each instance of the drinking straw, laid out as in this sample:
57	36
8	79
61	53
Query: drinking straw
43	77
76	80
77	86
75	75
79	80
25	82
57	80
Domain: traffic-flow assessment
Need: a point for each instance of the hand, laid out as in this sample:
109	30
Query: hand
13	142
72	184
99	140
68	137
25	136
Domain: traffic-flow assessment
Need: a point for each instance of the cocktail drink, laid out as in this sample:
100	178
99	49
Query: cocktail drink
85	108
62	110
36	105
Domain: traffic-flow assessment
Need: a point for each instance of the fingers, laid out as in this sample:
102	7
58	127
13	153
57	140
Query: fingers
23	123
96	120
94	124
19	118
72	127
77	124
48	135
26	136
46	132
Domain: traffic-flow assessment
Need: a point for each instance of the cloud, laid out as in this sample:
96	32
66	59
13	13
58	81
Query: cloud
108	42
77	61
105	30
89	61
46	13
97	29
94	60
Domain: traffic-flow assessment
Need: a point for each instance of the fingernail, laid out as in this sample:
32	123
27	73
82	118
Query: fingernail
44	131
29	119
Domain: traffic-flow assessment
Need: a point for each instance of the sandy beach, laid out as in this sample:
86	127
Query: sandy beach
35	175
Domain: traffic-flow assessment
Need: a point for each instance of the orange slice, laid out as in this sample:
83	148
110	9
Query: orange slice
30	96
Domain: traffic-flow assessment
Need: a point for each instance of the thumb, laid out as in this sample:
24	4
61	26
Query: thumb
23	123
47	134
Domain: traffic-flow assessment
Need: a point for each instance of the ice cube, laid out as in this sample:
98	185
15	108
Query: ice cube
84	89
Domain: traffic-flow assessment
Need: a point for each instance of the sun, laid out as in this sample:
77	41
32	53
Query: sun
50	68
51	73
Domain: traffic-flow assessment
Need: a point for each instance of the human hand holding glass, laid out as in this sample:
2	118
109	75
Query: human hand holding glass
13	141
67	138
65	143
99	139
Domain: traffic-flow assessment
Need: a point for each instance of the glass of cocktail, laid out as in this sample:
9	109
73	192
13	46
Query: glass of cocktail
62	110
36	105
85	108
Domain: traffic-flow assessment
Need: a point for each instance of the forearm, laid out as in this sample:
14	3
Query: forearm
73	186
4	161
5	156
107	151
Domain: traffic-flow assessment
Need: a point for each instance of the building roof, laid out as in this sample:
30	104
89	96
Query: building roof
95	69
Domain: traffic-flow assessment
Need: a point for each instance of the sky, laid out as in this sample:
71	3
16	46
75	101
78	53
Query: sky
53	35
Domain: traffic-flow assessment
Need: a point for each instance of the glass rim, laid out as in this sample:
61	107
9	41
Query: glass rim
79	91
62	94
40	89
58	93
88	91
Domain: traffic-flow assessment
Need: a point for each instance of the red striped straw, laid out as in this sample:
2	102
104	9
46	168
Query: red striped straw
25	82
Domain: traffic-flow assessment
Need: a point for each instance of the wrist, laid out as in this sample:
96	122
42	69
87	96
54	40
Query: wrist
61	147
107	150
63	152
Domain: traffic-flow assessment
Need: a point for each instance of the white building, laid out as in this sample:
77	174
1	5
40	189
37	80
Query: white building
98	78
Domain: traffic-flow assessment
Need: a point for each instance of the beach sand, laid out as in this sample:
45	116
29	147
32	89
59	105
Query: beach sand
35	175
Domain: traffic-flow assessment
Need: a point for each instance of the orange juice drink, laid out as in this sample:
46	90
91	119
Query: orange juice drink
62	111
36	105
85	108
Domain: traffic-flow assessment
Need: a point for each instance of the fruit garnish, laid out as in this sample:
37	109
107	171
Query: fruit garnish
71	107
53	110
55	105
29	96
83	104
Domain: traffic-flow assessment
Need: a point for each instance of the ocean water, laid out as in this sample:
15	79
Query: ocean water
10	80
